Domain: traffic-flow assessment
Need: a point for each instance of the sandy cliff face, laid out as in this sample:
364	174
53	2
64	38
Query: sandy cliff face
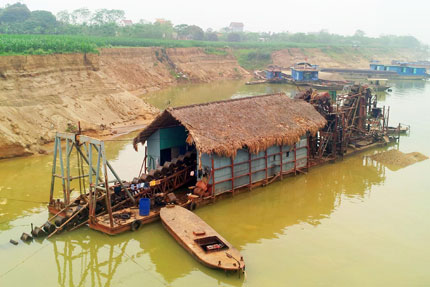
141	70
40	95
201	67
341	57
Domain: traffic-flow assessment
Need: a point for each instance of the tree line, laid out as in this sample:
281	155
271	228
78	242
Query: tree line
18	19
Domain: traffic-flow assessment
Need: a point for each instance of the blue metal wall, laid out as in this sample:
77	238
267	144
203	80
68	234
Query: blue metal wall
401	70
272	75
223	165
377	67
173	137
300	75
153	153
407	71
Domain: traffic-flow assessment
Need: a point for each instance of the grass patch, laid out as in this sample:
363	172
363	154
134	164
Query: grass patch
215	51
252	59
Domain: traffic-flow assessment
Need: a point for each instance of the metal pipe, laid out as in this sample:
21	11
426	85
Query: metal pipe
54	167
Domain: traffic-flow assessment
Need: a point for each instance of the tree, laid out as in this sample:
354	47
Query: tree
81	16
108	29
105	16
192	32
233	37
64	17
195	32
359	34
182	30
165	28
40	22
15	13
211	36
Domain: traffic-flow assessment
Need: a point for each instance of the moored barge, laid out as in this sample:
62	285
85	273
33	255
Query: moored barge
199	153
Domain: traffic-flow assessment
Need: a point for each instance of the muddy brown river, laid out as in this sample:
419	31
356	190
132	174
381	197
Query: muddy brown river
352	223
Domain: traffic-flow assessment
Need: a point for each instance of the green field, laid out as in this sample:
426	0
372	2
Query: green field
50	44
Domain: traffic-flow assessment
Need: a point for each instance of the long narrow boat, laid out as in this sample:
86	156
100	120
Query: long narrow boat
201	240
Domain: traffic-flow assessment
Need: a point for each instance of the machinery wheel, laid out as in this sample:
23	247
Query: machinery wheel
135	225
193	206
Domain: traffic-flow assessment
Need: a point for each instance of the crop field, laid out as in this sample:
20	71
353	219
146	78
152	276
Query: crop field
43	44
60	44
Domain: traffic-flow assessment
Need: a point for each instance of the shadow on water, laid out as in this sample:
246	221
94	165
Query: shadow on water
247	218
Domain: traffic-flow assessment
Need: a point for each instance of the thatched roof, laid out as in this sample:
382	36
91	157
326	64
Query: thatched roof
257	123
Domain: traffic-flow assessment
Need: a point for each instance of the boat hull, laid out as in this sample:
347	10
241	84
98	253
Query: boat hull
182	224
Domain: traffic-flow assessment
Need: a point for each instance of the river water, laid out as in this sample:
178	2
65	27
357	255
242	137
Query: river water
352	223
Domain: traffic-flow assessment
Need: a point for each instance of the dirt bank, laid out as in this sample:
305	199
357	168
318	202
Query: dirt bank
343	57
40	95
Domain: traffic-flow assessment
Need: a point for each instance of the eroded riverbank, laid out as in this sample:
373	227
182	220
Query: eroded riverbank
40	95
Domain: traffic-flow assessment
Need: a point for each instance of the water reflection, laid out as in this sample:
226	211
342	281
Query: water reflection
78	260
303	199
248	218
408	84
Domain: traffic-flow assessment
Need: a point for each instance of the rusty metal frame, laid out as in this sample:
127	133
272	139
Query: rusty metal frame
89	149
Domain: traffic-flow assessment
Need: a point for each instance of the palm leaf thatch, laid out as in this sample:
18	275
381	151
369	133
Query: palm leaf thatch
255	123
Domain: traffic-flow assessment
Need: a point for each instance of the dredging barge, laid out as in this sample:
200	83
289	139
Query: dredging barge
197	154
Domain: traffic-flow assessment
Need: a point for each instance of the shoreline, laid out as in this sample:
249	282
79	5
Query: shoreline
109	134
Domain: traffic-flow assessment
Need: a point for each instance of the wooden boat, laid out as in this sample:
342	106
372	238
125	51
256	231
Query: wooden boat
256	82
201	240
320	84
400	130
379	85
326	87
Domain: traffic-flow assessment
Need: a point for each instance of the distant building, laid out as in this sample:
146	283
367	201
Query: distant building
236	27
161	21
124	23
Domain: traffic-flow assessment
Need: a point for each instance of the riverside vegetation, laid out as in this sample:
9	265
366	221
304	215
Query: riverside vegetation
83	31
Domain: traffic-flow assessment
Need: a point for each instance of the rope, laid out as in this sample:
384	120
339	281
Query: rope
135	262
23	261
